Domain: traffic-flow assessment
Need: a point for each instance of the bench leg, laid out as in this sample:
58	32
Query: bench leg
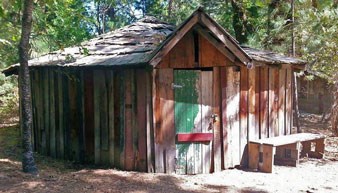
306	148
253	156
287	155
320	148
268	158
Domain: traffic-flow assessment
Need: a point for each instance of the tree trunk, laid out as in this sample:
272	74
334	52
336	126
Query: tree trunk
295	103
28	163
334	111
293	49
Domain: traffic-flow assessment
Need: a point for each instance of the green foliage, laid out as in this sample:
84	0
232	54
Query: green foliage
8	98
59	24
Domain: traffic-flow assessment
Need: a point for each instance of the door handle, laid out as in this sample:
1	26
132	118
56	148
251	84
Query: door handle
214	116
174	86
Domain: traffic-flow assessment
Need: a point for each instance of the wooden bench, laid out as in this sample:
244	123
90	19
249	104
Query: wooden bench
284	150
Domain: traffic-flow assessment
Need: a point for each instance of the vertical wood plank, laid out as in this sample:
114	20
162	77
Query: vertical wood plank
288	102
272	115
281	104
232	115
275	105
252	130
257	102
150	121
227	154
60	107
45	139
264	102
89	115
217	123
80	105
52	133
129	153
164	124
66	117
134	126
207	111
141	113
57	114
111	121
243	115
103	105
97	132
122	109
73	117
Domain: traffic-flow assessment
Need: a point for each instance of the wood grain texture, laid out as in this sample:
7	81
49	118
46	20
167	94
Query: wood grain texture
207	111
141	116
182	55
163	106
97	131
111	121
89	114
275	105
210	56
281	102
150	121
52	134
45	132
244	87
129	149
230	44
60	107
272	114
288	101
252	103
264	102
73	116
173	42
218	45
217	143
230	112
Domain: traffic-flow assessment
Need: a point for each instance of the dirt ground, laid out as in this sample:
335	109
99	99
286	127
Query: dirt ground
311	175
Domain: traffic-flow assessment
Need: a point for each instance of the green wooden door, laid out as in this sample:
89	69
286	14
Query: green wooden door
193	102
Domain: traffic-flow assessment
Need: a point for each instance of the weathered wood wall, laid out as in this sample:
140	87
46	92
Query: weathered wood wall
253	103
125	118
256	103
93	116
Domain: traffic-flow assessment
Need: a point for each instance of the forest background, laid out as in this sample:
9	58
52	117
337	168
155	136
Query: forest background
263	24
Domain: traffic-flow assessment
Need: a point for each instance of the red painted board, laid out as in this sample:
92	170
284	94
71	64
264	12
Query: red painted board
194	137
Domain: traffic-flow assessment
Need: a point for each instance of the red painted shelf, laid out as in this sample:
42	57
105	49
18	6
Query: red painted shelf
194	137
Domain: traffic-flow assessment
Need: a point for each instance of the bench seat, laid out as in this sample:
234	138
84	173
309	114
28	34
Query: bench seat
284	150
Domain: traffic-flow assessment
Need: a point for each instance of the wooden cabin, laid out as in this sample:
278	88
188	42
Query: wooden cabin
153	97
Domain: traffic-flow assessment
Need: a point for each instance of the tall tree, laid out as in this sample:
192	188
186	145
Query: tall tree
28	163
